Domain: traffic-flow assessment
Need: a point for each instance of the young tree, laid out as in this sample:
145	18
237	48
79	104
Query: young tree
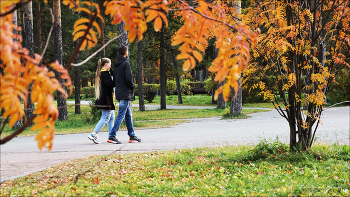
301	49
162	71
139	77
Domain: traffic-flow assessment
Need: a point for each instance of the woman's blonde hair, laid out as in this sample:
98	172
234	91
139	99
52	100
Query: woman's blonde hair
100	64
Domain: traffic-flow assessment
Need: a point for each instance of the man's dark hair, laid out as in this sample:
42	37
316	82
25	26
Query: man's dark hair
122	50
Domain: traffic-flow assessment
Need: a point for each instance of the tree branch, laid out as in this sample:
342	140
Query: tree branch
18	131
18	5
48	38
92	19
91	56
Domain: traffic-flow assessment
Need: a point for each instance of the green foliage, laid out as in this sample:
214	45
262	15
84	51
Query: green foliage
150	91
95	113
252	96
210	84
266	148
340	91
170	87
186	87
88	92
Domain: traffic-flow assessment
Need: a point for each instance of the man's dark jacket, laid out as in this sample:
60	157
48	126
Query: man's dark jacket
106	92
124	85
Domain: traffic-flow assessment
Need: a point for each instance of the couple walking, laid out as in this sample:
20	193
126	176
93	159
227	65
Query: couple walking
124	93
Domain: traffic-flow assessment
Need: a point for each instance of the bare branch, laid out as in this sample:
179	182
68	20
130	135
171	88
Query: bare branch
48	38
91	56
92	19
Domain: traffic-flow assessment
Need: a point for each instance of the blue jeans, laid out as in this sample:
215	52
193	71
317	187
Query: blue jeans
106	118
125	111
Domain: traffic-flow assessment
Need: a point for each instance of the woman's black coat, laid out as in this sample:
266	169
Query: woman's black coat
106	92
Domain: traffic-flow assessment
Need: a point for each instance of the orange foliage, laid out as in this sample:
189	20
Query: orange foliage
200	23
20	70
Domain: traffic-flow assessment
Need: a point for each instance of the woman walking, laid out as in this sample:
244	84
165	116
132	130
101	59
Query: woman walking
104	98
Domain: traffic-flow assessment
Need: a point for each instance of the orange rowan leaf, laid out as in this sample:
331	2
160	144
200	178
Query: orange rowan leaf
82	47
182	56
94	38
197	55
132	34
152	16
193	62
177	41
201	48
39	126
80	21
79	28
186	65
226	91
164	18
81	9
78	35
15	117
158	24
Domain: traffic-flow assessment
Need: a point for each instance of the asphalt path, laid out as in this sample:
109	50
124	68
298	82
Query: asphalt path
21	156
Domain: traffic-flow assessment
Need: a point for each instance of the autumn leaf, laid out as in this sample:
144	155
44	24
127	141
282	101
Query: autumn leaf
158	24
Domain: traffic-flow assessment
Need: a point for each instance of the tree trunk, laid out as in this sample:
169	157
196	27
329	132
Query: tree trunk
162	72
18	123
291	92
28	43
139	77
221	104
61	101
122	40
38	22
77	81
177	78
236	104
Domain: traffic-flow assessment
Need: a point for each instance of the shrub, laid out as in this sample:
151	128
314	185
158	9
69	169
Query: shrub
88	92
252	96
150	91
96	113
340	91
170	87
186	88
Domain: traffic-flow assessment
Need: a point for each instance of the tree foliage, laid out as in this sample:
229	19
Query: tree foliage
302	47
202	21
19	71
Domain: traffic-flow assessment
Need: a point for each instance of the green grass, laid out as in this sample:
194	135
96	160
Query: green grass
81	123
267	169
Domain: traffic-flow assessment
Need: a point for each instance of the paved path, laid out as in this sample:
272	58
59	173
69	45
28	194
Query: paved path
21	155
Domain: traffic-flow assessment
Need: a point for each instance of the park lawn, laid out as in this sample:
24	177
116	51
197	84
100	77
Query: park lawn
81	123
267	169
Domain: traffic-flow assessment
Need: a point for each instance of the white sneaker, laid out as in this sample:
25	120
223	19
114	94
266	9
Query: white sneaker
94	138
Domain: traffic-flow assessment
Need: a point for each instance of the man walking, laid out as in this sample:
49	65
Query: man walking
124	93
